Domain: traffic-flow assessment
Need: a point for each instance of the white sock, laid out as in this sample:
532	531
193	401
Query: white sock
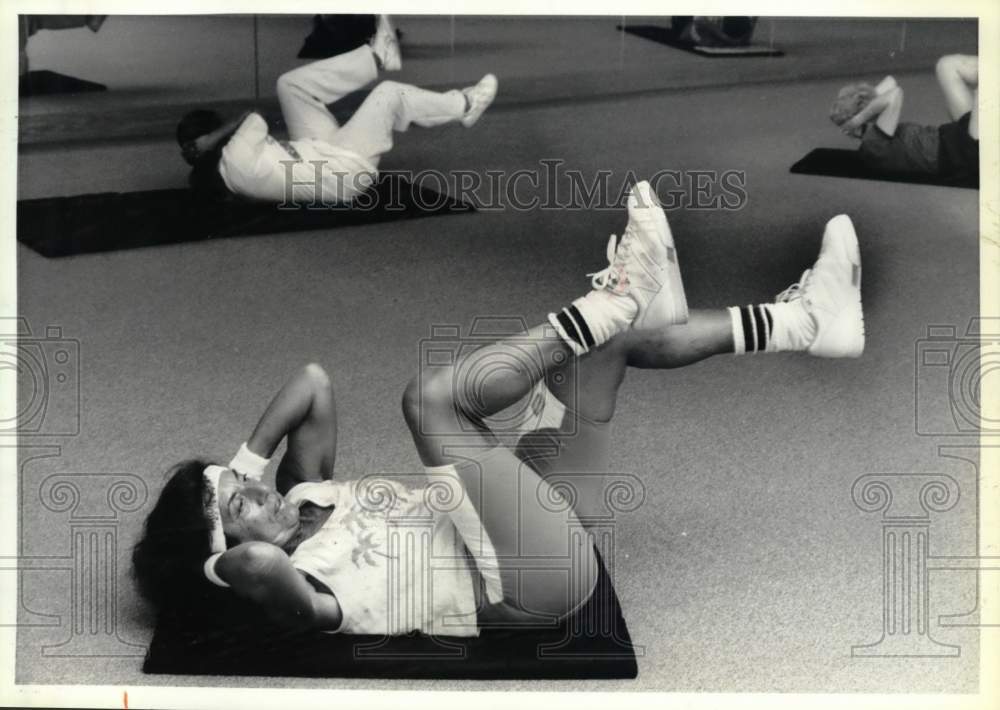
452	498
771	328
594	319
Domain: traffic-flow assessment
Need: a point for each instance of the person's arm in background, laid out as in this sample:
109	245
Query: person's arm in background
886	84
208	142
885	109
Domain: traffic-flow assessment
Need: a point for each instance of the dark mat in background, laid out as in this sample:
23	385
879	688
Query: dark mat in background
43	82
837	162
593	643
664	35
110	221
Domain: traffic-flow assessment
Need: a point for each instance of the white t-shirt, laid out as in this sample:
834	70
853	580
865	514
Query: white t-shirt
394	563
257	166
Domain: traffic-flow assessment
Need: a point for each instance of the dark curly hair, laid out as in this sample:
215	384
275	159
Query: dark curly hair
204	177
167	563
176	540
197	123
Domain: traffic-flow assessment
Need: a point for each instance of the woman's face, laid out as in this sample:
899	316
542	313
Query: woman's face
252	510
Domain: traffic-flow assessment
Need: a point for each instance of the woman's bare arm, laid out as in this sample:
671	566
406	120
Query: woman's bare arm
884	108
263	573
887	84
303	410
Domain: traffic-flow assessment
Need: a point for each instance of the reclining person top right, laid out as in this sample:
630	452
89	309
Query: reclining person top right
888	146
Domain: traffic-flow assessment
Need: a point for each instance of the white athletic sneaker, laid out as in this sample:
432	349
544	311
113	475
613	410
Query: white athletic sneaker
830	293
643	264
385	45
480	97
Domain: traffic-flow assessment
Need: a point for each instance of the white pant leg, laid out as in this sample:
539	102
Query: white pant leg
394	106
304	92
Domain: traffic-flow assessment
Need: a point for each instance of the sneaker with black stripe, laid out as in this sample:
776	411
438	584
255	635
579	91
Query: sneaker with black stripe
643	264
830	293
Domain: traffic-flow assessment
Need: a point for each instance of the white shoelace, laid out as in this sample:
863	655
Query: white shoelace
794	291
616	255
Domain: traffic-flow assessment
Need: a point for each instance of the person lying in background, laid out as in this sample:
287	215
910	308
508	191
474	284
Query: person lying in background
322	162
890	146
732	31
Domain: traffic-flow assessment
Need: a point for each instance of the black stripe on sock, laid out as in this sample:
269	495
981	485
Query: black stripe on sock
761	323
748	339
588	337
770	321
569	327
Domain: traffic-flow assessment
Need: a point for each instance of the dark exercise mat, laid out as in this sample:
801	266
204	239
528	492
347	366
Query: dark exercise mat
43	81
110	221
666	36
593	643
837	162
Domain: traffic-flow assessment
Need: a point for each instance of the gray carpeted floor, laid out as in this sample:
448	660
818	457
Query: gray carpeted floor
747	568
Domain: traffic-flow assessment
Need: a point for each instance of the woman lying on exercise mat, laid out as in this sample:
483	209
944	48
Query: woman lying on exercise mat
496	529
322	162
888	146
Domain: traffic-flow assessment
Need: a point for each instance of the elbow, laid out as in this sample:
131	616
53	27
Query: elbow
302	617
315	373
259	566
258	561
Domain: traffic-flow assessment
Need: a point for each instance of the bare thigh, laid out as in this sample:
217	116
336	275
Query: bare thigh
546	559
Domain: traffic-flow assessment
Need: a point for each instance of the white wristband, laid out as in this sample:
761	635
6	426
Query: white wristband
210	572
249	463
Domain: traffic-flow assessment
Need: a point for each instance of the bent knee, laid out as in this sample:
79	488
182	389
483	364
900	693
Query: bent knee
411	402
426	395
286	84
387	91
388	86
948	65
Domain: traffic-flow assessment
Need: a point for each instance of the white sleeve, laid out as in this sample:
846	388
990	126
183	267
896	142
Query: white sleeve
253	130
239	155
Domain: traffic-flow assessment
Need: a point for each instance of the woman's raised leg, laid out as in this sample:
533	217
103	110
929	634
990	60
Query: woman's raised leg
394	106
957	75
545	559
306	91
